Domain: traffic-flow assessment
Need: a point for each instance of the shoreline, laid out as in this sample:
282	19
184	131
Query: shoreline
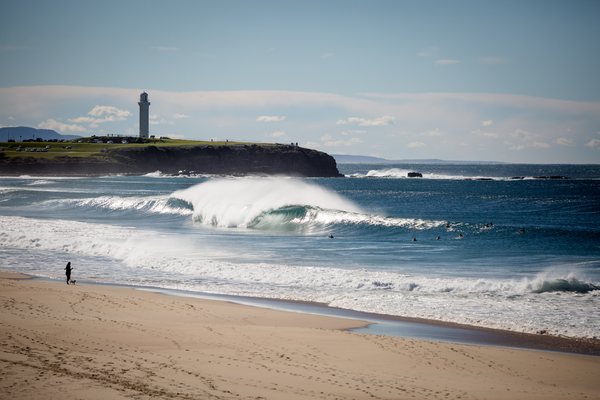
388	325
61	341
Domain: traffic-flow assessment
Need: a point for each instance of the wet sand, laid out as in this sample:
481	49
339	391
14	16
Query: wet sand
98	342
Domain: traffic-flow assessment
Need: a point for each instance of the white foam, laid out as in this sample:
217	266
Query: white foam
149	258
388	173
238	202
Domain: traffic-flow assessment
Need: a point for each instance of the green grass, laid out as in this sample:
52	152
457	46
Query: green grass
90	149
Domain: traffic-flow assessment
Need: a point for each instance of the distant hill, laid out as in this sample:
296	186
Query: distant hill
346	159
19	133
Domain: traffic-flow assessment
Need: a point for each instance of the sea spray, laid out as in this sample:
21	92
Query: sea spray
239	202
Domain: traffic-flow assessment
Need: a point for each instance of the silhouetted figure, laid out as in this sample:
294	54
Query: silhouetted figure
414	239
68	270
330	236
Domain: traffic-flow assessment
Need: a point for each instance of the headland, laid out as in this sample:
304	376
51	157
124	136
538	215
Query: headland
136	156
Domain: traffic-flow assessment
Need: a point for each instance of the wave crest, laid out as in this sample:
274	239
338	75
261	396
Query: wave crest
566	285
240	202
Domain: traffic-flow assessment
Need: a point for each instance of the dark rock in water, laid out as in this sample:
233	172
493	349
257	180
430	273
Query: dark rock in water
415	175
518	177
484	179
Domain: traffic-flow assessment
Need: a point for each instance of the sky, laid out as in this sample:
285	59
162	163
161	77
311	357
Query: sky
509	81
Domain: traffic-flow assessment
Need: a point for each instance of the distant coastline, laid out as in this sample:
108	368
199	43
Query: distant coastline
349	159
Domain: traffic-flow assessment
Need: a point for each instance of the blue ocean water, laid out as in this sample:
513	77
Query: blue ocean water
270	237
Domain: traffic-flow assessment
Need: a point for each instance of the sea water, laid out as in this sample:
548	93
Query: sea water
449	246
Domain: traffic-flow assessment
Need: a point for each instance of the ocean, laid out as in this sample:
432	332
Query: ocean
485	245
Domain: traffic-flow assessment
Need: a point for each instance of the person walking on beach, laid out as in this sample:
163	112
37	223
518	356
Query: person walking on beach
68	271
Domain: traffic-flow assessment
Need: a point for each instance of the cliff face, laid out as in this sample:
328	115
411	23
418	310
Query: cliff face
226	160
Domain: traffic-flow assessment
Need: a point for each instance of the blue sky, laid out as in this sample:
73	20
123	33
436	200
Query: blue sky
513	81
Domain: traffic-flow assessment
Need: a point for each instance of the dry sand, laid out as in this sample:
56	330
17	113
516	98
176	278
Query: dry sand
61	341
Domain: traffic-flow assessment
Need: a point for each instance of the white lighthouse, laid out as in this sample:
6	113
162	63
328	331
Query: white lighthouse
144	115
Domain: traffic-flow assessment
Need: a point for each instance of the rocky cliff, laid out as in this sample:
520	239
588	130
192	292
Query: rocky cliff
223	160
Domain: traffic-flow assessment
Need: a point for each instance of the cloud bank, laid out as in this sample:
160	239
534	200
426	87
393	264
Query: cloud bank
465	126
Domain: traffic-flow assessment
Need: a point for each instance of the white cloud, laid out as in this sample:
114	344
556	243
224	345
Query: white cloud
487	123
277	135
327	55
565	142
266	118
415	144
540	145
446	62
98	111
83	120
55	125
180	116
383	121
486	134
162	121
346	133
524	135
108	114
594	144
337	143
311	145
327	136
11	118
429	51
514	147
436	132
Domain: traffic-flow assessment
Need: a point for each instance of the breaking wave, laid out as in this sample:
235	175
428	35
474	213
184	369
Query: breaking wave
566	285
272	204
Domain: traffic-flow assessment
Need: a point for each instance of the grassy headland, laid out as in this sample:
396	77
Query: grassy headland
86	149
170	156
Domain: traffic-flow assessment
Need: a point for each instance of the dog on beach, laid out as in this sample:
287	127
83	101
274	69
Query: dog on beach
72	282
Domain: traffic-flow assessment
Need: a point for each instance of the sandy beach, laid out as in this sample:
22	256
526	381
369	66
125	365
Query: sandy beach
100	342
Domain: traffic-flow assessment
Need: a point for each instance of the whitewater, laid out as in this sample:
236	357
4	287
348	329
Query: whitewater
447	247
